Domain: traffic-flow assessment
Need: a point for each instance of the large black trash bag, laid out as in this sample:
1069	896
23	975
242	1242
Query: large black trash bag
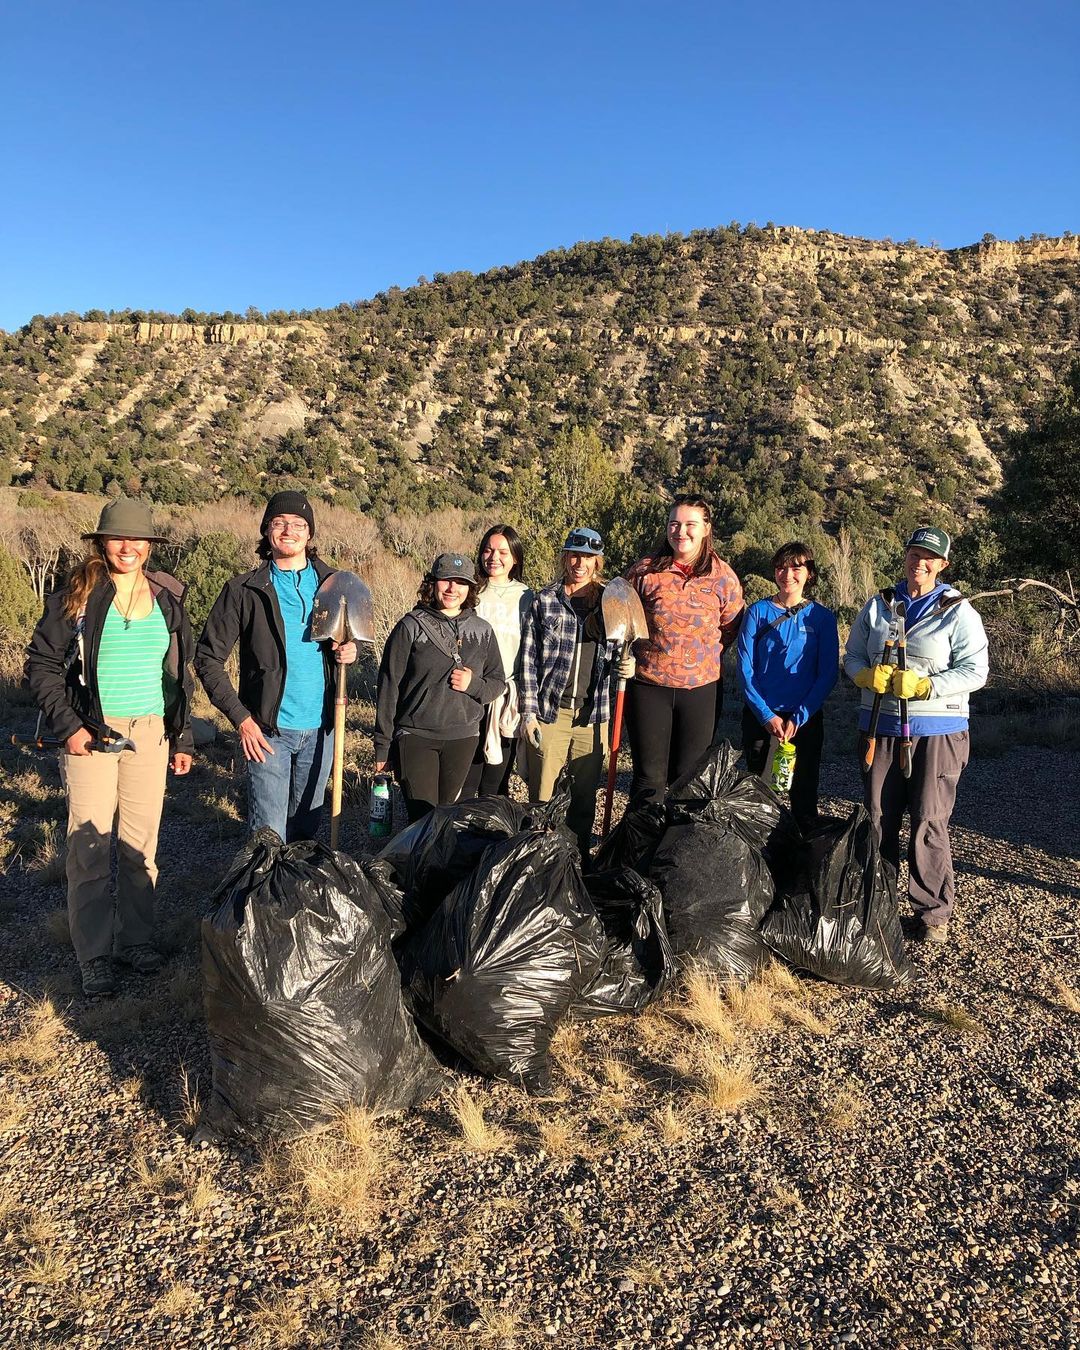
714	865
637	964
428	858
504	956
633	841
845	926
303	997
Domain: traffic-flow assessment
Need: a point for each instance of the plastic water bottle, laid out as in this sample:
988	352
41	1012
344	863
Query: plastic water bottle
379	807
783	766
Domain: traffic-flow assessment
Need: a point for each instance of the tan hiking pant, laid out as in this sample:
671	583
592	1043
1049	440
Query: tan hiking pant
584	746
125	789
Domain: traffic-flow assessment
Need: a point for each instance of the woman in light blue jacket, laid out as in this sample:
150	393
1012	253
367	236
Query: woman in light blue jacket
946	661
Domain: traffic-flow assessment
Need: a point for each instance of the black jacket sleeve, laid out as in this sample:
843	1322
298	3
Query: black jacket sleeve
220	635
46	668
395	659
488	683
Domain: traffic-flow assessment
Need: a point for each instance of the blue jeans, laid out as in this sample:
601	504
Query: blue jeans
286	792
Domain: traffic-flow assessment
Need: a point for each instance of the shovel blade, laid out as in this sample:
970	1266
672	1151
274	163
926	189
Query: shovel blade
624	617
343	610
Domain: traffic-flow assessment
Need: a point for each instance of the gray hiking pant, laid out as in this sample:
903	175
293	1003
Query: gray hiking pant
928	796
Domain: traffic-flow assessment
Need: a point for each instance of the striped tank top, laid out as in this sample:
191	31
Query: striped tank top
130	675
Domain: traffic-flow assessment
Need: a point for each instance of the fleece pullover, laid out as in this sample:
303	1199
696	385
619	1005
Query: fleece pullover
415	694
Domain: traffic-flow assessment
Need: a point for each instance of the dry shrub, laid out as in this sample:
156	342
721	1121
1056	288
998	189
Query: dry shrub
671	1124
1067	996
727	1083
36	1046
176	1301
704	1004
476	1134
340	1172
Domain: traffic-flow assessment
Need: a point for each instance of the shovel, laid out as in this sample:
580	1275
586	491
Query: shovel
624	622
343	613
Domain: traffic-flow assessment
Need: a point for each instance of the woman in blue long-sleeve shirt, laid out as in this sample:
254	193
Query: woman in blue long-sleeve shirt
789	659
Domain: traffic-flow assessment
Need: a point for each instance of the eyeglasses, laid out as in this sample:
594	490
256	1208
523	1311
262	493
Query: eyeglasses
585	539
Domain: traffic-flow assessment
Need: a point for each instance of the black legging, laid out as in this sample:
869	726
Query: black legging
489	780
431	772
808	741
669	730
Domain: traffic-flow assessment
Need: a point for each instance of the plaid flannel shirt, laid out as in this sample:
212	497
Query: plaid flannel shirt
552	630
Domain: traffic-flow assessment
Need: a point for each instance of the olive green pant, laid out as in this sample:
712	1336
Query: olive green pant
565	742
126	789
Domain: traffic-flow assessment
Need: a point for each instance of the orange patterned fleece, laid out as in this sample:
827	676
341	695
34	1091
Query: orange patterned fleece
691	621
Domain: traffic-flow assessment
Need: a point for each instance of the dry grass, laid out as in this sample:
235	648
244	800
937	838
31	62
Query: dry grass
175	1302
751	1005
1067	996
49	856
647	1273
476	1134
616	1073
190	1105
204	1192
38	1228
671	1124
845	1107
277	1323
795	1014
705	1006
568	1048
13	1111
954	1017
727	1083
782	979
36	1046
55	927
559	1136
340	1172
52	1267
131	1088
786	1197
157	1178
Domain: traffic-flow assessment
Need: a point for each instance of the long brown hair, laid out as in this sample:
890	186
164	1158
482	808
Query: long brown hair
663	554
517	552
84	577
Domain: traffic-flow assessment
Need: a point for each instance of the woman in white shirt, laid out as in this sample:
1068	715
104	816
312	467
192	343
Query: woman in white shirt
503	601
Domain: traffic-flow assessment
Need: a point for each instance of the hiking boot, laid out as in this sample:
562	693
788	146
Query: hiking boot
98	976
143	960
936	933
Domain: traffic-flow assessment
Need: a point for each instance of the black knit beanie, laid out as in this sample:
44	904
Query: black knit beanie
289	504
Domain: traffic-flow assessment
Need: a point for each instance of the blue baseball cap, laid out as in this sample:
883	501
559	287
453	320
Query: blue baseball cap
581	540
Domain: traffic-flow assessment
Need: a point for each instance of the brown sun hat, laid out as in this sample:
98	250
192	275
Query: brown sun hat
126	519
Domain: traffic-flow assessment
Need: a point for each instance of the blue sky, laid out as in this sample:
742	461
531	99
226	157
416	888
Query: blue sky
220	155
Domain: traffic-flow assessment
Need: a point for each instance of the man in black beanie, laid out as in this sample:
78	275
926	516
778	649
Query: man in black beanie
283	710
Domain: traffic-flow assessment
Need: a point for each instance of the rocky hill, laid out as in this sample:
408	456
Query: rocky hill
792	374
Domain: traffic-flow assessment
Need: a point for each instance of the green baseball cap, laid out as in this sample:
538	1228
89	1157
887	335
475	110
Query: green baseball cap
932	539
126	519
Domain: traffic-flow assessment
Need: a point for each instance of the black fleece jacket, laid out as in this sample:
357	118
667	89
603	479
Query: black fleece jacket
61	673
247	612
414	677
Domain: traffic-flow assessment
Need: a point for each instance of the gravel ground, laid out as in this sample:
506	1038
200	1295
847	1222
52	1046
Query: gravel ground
908	1177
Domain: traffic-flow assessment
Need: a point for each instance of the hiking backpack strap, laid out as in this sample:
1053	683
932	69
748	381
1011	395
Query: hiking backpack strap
780	618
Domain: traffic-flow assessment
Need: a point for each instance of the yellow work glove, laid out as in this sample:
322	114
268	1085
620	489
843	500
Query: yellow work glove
909	684
876	678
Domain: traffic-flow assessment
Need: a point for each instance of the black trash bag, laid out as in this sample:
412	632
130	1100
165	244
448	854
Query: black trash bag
428	858
845	926
717	888
637	964
303	998
713	863
504	956
633	841
717	789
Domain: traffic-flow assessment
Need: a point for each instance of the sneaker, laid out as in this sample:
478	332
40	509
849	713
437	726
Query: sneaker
142	960
98	976
937	933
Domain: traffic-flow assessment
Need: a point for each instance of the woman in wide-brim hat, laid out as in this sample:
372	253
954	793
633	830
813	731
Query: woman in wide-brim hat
109	661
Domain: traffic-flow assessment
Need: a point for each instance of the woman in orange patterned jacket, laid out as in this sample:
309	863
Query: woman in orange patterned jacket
694	605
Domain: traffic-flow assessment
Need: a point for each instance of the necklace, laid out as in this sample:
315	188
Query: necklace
133	600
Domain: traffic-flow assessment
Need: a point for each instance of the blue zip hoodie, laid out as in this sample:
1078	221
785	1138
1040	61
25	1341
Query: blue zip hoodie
790	666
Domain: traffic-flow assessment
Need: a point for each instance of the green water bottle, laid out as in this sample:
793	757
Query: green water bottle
783	766
379	807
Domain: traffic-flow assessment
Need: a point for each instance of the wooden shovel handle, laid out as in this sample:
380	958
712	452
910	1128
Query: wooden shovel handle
338	772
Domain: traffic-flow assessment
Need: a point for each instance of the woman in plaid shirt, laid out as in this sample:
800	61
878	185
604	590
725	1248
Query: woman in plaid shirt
566	669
